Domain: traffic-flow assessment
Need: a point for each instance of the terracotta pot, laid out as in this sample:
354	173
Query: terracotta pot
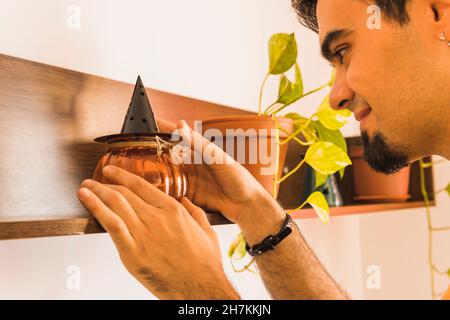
258	165
446	295
373	186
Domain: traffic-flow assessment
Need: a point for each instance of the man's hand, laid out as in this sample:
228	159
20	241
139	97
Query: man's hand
169	247
227	188
291	270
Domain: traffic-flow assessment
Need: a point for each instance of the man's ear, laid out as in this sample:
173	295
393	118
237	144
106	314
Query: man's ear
441	10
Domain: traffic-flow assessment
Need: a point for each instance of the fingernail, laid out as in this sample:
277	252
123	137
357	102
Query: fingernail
84	193
86	183
184	125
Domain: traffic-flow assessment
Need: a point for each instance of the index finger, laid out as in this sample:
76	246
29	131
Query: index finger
209	150
144	189
109	220
189	136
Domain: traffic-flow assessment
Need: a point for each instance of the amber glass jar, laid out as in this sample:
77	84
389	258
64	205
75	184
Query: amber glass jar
149	158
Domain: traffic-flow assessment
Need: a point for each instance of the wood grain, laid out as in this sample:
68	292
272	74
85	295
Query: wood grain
49	117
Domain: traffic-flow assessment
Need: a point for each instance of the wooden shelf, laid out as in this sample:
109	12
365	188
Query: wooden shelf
349	209
49	118
360	209
29	228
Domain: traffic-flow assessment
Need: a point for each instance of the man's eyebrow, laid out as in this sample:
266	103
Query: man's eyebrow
330	38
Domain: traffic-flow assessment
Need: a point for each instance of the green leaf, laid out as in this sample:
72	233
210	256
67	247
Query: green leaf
240	250
288	92
326	157
325	104
299	121
295	116
448	272
282	52
448	191
235	244
320	179
332	119
283	86
309	133
320	205
333	136
298	78
341	172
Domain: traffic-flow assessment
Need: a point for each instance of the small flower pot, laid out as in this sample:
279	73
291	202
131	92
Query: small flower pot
372	186
257	131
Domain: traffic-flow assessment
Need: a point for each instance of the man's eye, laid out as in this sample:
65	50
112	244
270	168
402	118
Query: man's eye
340	54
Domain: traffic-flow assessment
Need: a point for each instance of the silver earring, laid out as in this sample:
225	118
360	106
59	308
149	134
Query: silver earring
443	38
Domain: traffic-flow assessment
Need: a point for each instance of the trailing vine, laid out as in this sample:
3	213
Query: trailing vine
434	270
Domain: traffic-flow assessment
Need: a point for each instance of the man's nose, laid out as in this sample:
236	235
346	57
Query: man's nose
341	96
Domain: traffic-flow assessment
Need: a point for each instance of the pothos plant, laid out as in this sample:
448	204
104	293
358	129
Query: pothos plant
326	150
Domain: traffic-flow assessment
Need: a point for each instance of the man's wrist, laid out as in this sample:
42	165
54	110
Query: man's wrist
263	217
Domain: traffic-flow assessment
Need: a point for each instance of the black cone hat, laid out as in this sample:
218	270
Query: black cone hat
139	120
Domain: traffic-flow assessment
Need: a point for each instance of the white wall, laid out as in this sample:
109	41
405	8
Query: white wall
216	51
397	241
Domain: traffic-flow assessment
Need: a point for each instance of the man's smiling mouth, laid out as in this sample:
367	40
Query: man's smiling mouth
359	116
362	115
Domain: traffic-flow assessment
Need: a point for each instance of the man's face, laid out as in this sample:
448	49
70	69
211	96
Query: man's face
391	78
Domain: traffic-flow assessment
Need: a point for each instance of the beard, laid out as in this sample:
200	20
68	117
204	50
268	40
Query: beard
381	156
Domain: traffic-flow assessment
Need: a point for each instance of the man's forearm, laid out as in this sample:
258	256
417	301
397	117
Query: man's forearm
291	270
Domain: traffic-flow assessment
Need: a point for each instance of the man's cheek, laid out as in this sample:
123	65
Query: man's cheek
387	124
370	124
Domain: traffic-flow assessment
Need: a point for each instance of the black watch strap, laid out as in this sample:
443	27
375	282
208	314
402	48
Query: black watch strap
271	241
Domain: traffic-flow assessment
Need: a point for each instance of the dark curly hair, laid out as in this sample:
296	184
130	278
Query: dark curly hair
392	9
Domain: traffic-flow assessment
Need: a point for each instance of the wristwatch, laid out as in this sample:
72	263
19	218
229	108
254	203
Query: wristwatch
271	241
